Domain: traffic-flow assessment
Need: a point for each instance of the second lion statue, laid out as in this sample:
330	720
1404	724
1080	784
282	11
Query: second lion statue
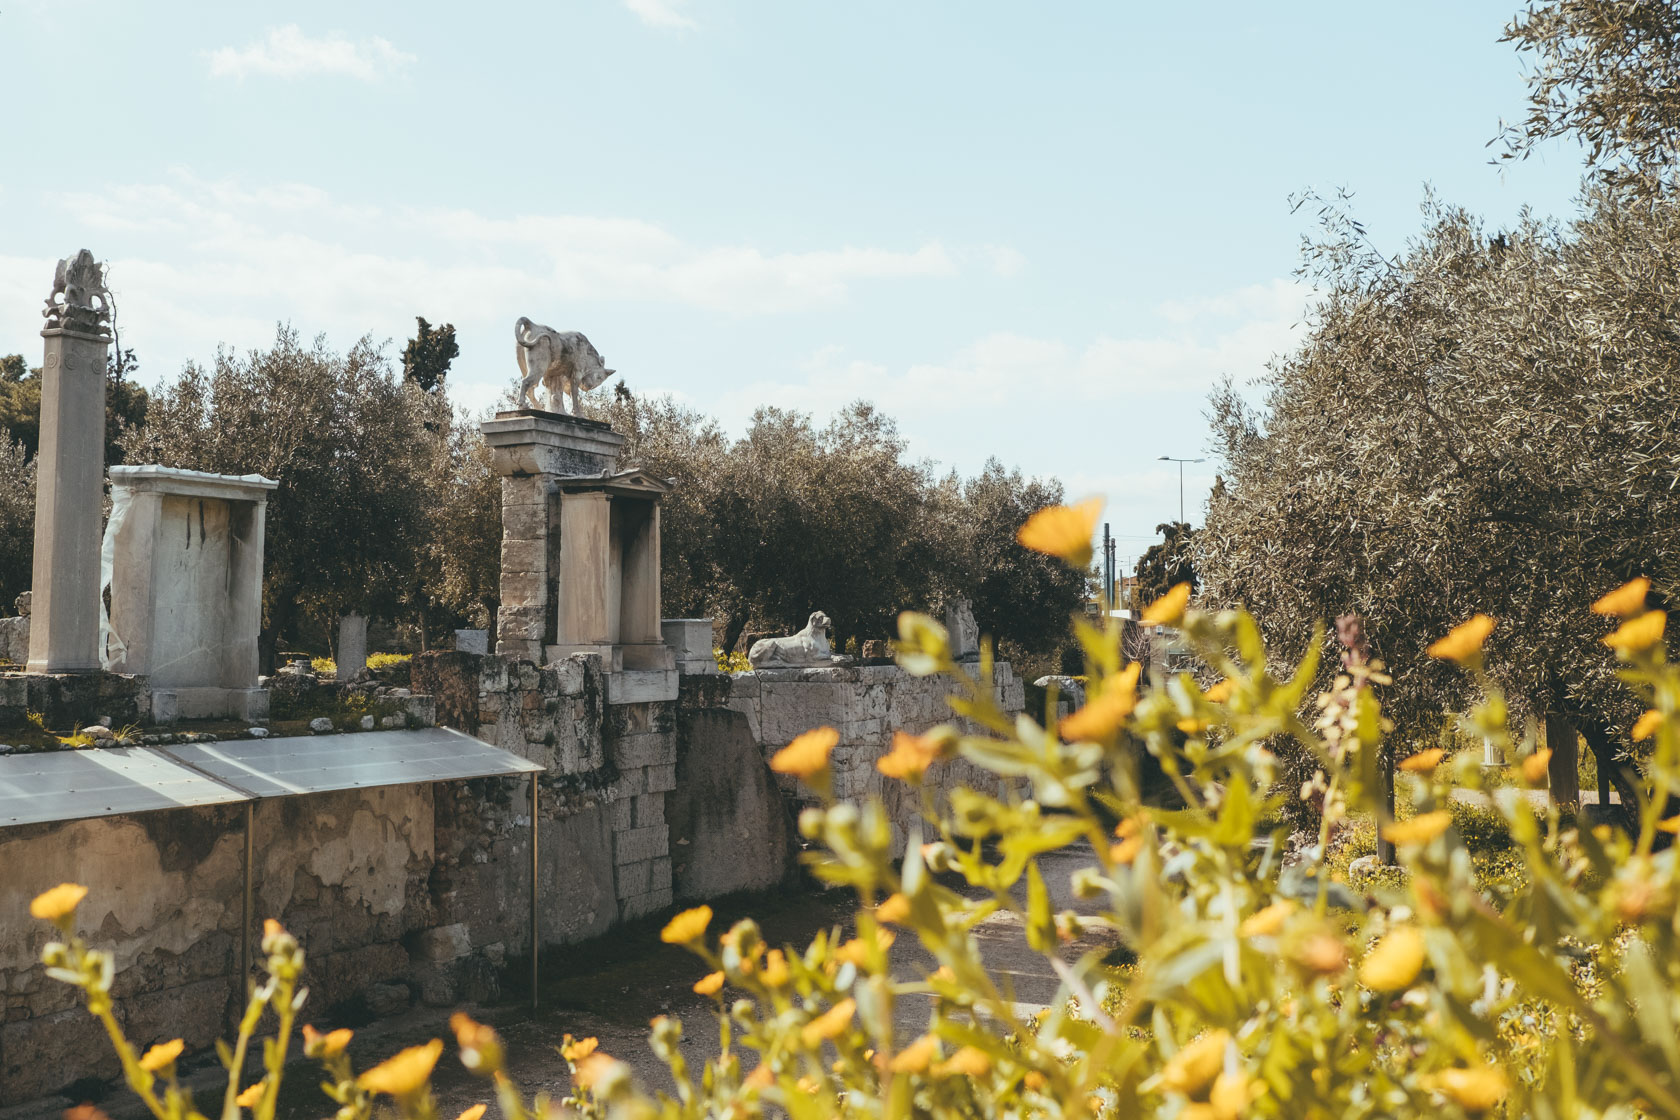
561	362
807	649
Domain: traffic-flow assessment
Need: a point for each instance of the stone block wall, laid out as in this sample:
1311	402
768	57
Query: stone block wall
866	704
610	768
73	699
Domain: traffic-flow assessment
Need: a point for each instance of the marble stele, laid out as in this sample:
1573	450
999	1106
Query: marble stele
184	562
69	470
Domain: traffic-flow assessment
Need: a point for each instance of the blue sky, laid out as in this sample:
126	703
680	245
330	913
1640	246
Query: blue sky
1039	232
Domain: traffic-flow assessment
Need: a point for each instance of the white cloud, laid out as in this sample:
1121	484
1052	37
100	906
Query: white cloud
286	52
664	14
1097	414
197	262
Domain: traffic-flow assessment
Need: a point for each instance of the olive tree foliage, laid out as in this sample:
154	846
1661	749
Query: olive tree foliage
1023	598
808	518
343	436
17	521
1482	424
1607	73
1169	561
794	517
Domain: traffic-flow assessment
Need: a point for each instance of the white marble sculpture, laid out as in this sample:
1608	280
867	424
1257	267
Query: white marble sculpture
803	650
79	299
964	633
560	361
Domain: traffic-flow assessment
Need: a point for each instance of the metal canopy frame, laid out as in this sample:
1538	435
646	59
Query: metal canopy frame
62	786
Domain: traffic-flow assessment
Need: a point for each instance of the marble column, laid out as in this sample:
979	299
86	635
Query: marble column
70	473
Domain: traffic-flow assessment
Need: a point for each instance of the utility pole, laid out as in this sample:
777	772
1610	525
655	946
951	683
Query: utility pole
1110	597
1180	462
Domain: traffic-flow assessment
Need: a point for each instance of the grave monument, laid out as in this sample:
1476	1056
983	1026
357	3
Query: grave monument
69	470
184	558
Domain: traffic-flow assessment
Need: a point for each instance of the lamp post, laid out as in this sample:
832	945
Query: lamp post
1180	462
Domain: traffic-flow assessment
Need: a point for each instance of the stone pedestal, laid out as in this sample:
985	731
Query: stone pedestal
580	545
690	640
69	483
351	654
186	552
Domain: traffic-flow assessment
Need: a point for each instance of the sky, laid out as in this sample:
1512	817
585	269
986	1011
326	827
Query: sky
1035	232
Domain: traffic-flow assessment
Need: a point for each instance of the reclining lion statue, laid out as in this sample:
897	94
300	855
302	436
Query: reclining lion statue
560	361
803	650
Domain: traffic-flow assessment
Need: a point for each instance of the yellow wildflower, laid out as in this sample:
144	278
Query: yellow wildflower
1463	642
809	1085
1423	761
1322	952
1231	1094
329	1045
1127	850
1189	1070
590	1072
910	757
1063	531
476	1112
1219	692
775	972
807	755
576	1050
1672	824
162	1055
759	1078
1647	725
1475	1090
1168	610
481	1049
1534	766
1101	717
1394	962
687	926
251	1096
1626	600
970	1061
1638	634
709	985
856	951
829	1024
1267	921
916	1057
58	903
404	1072
1420	829
1034	1080
895	908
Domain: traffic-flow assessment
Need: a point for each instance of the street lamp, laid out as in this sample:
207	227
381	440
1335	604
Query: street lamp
1180	462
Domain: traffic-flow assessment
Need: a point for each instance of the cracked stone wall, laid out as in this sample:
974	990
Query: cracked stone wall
347	872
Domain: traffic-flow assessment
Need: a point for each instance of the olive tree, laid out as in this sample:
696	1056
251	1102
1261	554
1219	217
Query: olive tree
1487	423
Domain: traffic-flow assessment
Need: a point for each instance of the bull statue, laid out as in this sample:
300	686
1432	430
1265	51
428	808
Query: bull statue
561	362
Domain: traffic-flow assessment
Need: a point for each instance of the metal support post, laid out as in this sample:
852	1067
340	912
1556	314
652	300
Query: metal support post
536	939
